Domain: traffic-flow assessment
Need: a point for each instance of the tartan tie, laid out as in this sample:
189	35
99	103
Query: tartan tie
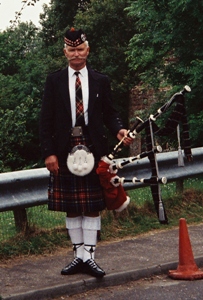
79	103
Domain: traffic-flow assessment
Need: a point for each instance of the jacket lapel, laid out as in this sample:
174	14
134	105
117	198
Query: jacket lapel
64	90
93	89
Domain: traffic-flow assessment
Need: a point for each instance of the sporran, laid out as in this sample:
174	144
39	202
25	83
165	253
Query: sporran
80	160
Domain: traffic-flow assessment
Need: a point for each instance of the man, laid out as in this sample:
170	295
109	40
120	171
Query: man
76	105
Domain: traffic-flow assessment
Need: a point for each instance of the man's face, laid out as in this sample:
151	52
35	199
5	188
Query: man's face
77	56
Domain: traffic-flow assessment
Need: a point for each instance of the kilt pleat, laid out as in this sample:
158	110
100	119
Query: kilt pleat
78	194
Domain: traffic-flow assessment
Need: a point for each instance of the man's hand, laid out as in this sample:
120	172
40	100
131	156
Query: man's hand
51	163
123	134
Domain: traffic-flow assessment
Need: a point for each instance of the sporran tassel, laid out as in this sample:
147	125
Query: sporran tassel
180	153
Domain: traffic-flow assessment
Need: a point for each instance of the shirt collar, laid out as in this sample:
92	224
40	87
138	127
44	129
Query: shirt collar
83	71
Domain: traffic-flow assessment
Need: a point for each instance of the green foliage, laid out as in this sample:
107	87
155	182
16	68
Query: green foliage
169	38
22	77
168	49
18	141
16	45
196	133
55	19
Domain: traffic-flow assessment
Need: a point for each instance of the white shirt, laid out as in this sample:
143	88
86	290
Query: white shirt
85	92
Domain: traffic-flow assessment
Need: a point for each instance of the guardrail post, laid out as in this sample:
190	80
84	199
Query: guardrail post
179	186
20	217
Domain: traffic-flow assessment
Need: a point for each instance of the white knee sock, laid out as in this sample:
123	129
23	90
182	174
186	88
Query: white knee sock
74	226
90	225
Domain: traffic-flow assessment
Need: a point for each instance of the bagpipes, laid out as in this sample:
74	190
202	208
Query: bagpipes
116	198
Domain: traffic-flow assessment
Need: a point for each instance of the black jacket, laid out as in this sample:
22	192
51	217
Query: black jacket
56	121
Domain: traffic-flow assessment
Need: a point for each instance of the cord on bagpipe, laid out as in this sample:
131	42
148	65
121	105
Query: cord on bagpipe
107	168
155	186
177	116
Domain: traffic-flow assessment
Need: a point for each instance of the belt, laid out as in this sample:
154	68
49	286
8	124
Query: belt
79	130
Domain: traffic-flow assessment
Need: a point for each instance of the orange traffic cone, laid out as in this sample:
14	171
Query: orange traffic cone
187	268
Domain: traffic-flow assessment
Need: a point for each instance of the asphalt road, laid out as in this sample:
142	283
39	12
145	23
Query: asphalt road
155	288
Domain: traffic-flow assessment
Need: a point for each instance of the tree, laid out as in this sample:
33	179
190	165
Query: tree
55	19
109	29
168	48
18	143
23	69
25	62
22	65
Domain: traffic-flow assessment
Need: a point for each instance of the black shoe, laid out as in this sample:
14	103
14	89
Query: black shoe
90	267
74	267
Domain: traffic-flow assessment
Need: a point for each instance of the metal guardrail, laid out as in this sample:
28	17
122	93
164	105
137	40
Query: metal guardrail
27	188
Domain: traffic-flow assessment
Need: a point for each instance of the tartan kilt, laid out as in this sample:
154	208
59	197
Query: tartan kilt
75	194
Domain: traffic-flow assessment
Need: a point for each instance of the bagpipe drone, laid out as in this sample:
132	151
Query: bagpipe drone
115	196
